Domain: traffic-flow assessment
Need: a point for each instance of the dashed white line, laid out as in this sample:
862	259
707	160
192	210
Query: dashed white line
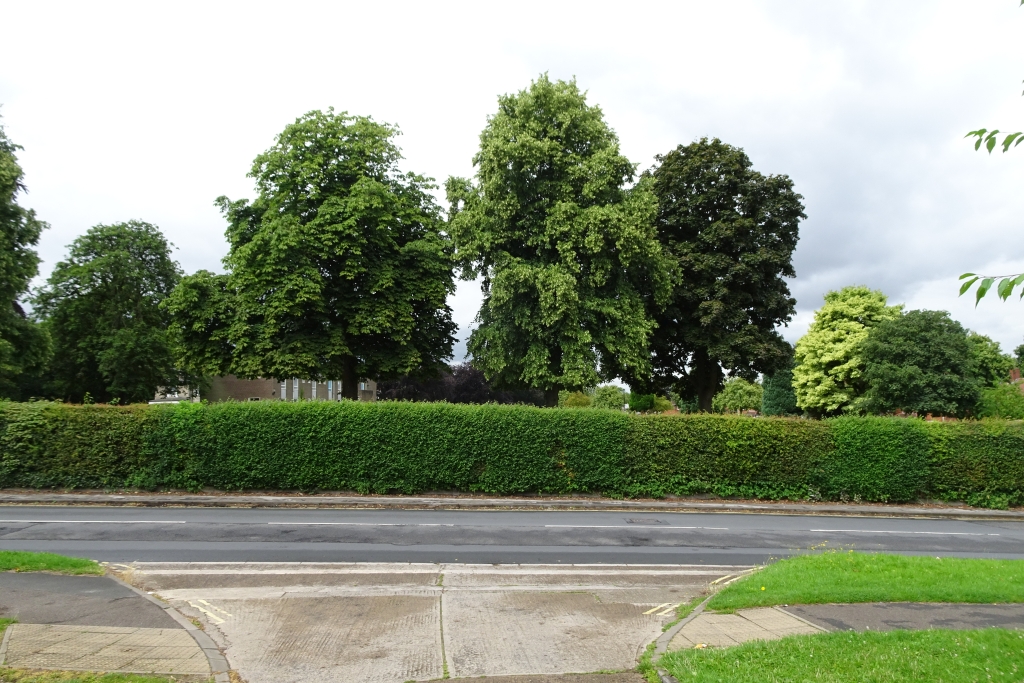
884	531
349	524
89	521
630	526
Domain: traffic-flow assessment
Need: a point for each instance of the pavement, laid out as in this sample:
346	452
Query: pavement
308	622
92	623
465	501
126	534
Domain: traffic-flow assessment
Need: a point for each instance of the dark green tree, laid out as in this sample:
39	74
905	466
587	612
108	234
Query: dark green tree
731	232
338	269
23	345
102	307
779	397
565	249
919	362
992	366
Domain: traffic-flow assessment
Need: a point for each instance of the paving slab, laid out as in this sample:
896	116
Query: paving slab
291	622
40	598
103	648
725	630
875	616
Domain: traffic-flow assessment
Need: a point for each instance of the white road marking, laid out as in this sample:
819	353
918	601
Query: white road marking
349	524
881	531
629	526
88	521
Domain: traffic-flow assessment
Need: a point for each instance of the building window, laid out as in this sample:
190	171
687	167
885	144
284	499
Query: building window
254	398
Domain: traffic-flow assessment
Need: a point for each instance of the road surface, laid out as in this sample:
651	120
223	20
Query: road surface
119	534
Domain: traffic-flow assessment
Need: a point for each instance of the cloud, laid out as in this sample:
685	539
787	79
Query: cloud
143	111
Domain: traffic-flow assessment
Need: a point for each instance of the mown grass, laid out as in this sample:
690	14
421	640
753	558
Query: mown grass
18	561
4	623
36	676
874	577
990	655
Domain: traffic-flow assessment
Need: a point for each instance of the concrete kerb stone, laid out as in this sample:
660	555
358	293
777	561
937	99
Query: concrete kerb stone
215	658
4	643
459	502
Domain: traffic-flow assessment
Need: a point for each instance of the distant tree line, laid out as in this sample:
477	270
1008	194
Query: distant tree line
672	280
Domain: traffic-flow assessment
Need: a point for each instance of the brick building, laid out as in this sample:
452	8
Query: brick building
231	388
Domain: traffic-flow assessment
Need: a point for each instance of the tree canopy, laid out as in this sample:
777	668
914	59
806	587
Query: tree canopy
779	397
338	269
919	362
102	307
738	394
565	249
23	346
730	232
991	366
829	369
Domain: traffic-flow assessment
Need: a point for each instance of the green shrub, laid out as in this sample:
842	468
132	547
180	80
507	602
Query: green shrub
641	403
779	397
1003	400
576	399
737	394
609	396
661	404
499	449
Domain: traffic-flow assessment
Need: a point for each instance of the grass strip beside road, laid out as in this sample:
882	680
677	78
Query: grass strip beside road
37	676
844	577
990	655
4	623
19	561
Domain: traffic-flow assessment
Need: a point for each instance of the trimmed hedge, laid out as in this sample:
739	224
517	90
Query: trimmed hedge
414	447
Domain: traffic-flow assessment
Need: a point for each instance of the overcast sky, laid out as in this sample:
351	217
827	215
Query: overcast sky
151	110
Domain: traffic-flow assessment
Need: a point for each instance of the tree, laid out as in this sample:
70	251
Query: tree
731	232
567	254
102	307
779	397
338	269
738	394
461	383
23	345
829	369
610	396
920	362
991	366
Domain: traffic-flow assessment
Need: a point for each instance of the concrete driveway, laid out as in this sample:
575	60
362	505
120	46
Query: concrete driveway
283	622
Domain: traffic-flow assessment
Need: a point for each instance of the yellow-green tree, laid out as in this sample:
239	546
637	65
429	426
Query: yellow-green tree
829	371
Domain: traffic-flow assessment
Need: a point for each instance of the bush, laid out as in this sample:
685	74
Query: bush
641	403
610	396
414	447
1003	400
737	394
661	405
577	399
778	397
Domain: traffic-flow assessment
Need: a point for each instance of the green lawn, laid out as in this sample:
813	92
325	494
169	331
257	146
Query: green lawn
875	577
937	656
4	623
15	560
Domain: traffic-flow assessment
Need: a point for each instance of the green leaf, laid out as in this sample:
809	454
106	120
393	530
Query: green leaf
990	141
967	285
1004	288
965	275
986	284
1018	136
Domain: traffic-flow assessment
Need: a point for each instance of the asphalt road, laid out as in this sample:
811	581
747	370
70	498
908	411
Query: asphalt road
276	535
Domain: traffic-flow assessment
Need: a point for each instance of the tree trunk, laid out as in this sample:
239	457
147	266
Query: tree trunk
551	397
707	377
349	379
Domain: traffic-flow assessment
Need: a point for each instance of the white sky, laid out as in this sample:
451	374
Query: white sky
151	110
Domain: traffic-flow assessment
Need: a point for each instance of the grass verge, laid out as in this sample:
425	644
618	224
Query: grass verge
990	655
18	561
4	623
835	576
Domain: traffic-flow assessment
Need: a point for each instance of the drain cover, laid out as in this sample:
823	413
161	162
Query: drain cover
644	520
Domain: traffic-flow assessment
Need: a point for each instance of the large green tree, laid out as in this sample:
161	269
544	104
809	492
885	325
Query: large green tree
338	269
991	366
23	345
829	372
920	362
102	307
731	232
565	248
